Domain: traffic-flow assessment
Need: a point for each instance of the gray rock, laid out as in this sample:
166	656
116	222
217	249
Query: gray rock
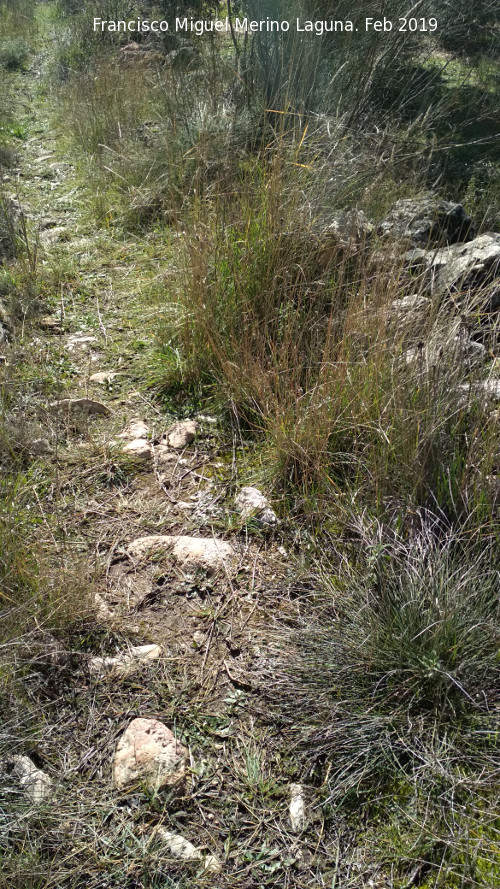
251	503
467	267
149	754
427	221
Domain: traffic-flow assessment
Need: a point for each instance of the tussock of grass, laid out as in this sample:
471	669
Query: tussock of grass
393	687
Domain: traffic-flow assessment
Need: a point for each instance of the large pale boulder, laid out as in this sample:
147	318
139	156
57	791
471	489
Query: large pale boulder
149	754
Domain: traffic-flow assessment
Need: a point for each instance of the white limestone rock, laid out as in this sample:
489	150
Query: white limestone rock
205	553
35	783
251	503
123	665
297	807
179	847
149	754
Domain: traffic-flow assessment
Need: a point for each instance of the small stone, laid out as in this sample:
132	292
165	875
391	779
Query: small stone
81	405
122	665
199	639
297	808
139	447
251	503
179	847
180	435
78	342
148	753
36	784
135	429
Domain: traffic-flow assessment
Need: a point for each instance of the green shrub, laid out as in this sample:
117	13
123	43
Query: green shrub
14	54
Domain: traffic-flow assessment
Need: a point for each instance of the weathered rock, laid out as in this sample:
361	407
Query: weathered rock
251	503
427	221
135	429
179	847
35	783
139	447
180	435
192	553
122	665
466	267
81	406
297	807
149	754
